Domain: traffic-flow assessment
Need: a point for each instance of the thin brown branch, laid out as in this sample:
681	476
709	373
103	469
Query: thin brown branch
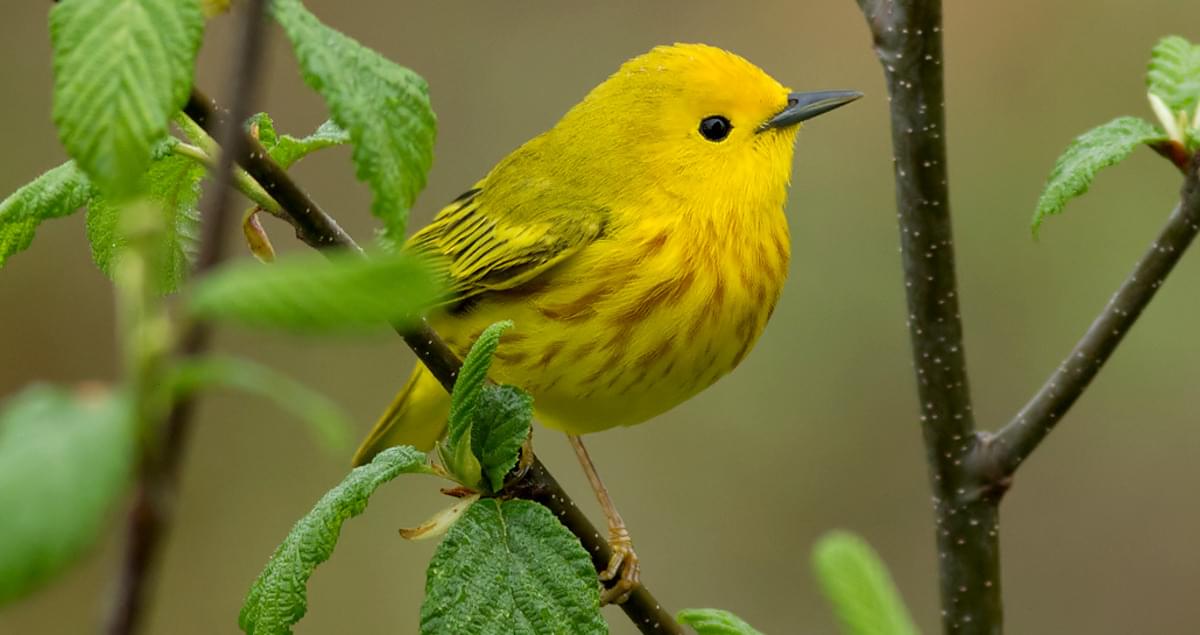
908	41
152	511
1000	455
318	229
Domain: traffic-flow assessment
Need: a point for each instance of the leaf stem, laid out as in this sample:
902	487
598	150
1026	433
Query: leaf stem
320	231
241	181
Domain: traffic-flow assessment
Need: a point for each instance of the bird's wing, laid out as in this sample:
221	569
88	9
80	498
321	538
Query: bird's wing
488	241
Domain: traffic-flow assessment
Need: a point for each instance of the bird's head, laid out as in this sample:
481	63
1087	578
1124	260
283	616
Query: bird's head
695	121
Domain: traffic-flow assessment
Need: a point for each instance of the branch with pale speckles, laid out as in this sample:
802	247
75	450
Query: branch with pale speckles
1001	454
908	41
319	230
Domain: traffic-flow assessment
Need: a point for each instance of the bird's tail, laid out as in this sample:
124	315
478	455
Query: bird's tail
416	417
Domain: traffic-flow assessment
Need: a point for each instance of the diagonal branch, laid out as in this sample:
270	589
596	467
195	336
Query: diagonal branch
319	230
908	41
1000	455
150	516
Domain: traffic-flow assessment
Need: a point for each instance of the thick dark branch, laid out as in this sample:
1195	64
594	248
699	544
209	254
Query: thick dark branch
158	474
908	40
318	230
1002	453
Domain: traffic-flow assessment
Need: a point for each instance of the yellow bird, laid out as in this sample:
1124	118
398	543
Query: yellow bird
639	247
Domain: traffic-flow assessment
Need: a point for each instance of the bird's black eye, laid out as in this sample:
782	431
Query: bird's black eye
715	128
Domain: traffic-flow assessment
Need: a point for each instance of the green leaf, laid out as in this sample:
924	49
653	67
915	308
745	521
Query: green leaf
715	622
174	184
1095	149
500	425
384	107
510	567
65	458
310	293
289	149
471	379
57	193
859	587
328	422
121	69
279	597
1174	73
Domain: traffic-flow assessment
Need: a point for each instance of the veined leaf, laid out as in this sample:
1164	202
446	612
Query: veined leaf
471	379
859	587
173	182
510	567
279	597
65	458
500	425
309	293
1174	73
1095	149
286	150
715	622
56	193
384	106
121	69
329	424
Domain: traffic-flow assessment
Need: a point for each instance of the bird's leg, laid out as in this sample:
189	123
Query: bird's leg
623	567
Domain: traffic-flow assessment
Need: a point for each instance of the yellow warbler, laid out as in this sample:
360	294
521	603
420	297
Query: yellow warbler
639	247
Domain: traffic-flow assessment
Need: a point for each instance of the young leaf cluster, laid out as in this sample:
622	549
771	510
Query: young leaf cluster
1173	81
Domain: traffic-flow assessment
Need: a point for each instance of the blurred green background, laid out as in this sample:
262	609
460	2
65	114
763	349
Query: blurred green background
817	430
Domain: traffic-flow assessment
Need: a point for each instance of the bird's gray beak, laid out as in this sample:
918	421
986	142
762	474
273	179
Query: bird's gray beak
804	106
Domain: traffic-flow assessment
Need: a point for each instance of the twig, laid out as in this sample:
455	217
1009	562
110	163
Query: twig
318	230
1001	454
908	40
158	474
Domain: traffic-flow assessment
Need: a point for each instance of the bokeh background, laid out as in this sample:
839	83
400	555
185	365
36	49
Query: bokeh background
817	430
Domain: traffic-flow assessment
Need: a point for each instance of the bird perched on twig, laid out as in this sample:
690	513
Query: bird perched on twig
639	247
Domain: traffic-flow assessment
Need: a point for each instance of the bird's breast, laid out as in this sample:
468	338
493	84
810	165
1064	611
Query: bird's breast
638	322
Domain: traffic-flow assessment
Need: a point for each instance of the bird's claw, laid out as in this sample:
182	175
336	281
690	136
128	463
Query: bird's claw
624	570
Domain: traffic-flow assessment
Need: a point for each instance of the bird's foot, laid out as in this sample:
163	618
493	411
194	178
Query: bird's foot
624	569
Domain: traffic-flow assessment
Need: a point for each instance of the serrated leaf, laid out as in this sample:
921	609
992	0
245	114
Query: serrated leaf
288	150
384	106
174	184
857	583
121	70
510	567
327	421
56	193
715	622
263	127
1092	151
500	425
471	379
279	597
310	293
1174	73
65	458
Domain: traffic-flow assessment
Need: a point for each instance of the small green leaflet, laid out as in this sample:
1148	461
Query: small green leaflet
1095	149
510	567
311	293
329	424
65	458
121	70
384	106
279	597
1174	74
173	183
57	193
501	425
487	424
715	622
858	585
286	150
